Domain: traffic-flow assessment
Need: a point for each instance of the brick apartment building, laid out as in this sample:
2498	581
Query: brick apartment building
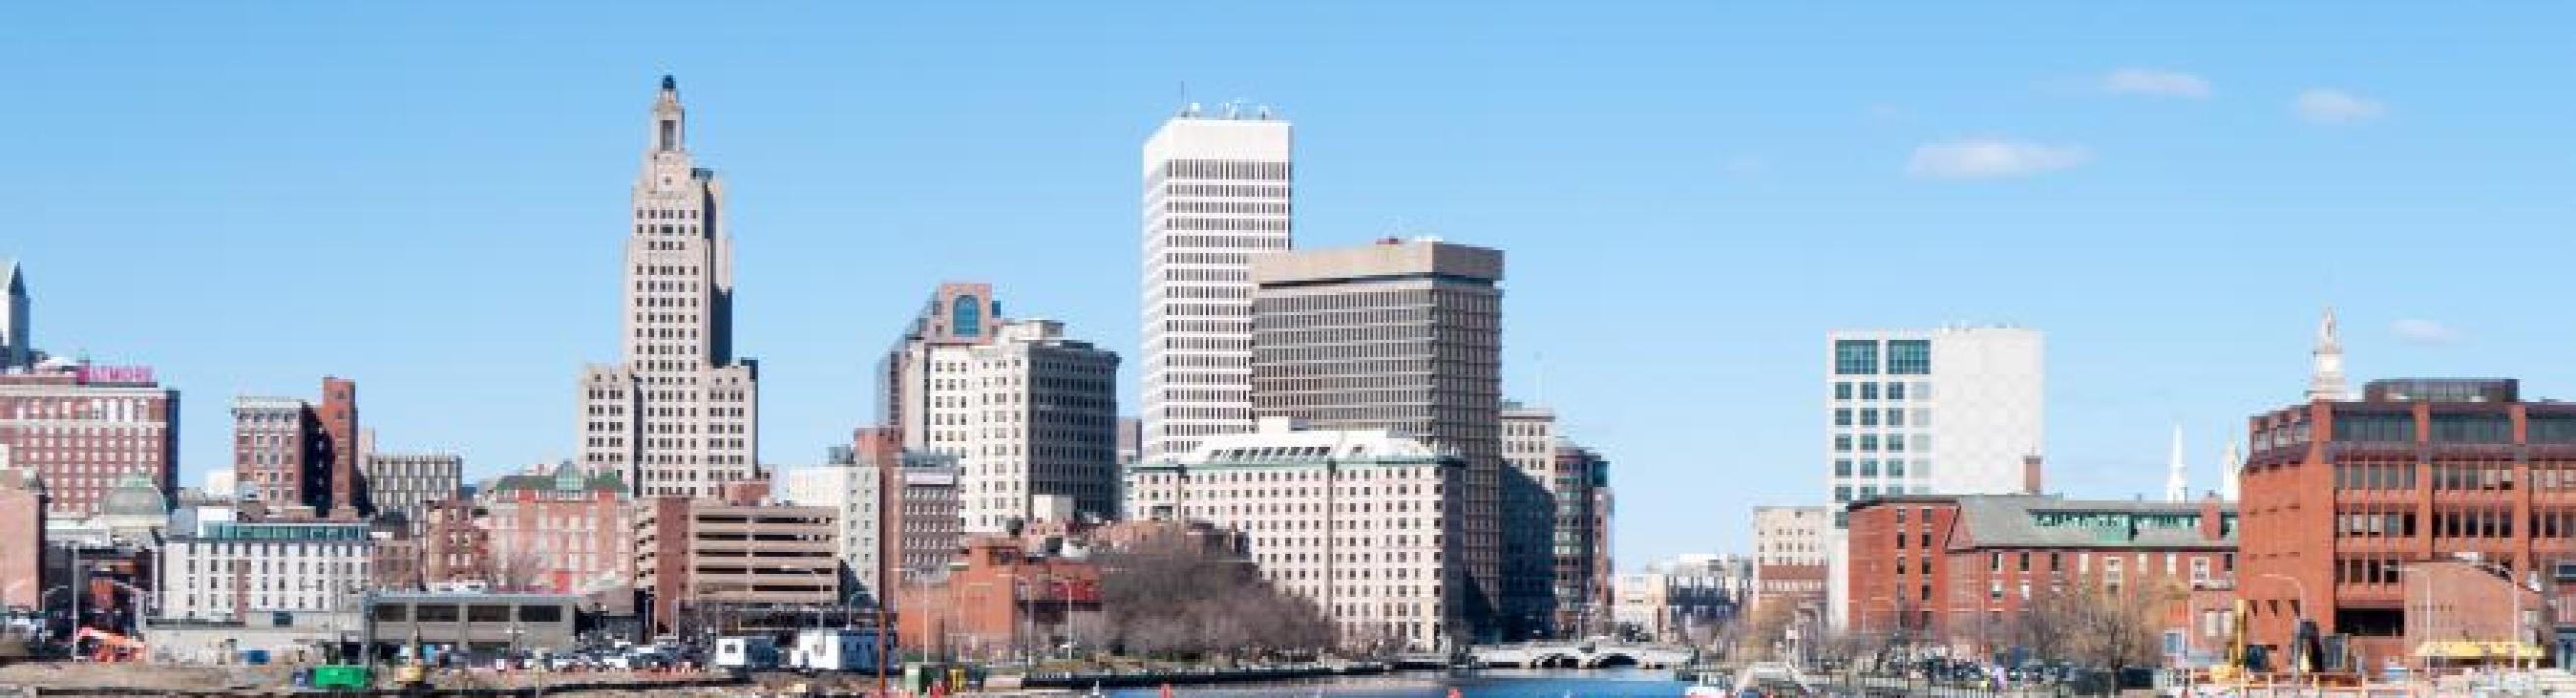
2344	500
999	599
84	428
1960	570
22	538
300	459
564	531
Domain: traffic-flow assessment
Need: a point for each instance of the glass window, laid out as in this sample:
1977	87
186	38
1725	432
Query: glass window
1842	443
1855	356
1896	391
541	613
487	613
1896	442
1896	468
1909	356
1868	418
1842	467
1868	468
1869	443
1842	417
1896	418
1842	494
966	316
1842	391
1869	391
2374	427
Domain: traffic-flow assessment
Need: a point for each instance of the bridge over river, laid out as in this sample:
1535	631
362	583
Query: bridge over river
1583	654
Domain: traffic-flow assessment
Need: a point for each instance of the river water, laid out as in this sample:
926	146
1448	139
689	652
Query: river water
1491	683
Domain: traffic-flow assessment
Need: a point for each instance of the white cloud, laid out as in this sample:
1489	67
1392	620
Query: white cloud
2153	82
1986	158
2422	331
2328	106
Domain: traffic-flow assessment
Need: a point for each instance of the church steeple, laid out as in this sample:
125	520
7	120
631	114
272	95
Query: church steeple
2325	379
2177	484
670	122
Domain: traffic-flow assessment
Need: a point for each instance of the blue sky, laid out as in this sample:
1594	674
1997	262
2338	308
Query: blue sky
430	197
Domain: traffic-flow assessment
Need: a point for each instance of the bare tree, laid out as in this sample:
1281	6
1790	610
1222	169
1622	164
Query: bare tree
2105	625
516	571
1170	597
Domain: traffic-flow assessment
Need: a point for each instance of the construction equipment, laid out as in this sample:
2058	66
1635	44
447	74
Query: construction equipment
111	647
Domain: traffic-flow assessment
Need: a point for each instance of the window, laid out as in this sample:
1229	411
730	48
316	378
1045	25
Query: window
1842	467
392	613
1842	494
1842	443
1896	468
1909	356
487	613
1896	391
966	316
436	613
1868	468
2472	429
541	613
1842	417
1896	418
2370	427
1842	391
1855	356
1869	391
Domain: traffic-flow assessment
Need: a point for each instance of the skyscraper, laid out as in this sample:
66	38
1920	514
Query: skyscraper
1216	192
681	415
1404	336
16	348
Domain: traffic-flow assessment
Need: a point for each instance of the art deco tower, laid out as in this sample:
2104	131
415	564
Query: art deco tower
680	415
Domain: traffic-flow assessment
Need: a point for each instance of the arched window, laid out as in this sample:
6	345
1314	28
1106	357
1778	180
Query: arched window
966	316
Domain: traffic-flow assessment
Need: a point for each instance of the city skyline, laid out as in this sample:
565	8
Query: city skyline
2132	198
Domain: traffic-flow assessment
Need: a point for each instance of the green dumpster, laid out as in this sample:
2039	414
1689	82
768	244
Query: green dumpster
349	677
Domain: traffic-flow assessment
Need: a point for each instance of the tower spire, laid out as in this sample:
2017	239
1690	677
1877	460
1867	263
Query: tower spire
2325	379
2229	467
670	122
2177	484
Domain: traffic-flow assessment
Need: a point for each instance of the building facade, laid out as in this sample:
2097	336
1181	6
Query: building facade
1027	412
853	485
1217	192
680	415
84	428
2345	498
559	531
696	554
1362	522
1556	531
1947	411
1789	557
1000	600
295	456
223	570
1961	571
1404	336
405	484
22	537
928	529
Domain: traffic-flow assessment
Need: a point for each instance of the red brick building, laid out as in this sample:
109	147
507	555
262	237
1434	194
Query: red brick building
2342	499
1961	570
83	428
564	531
997	600
300	459
22	540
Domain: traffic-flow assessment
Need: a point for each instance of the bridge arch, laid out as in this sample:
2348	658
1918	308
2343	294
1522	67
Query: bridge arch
1611	658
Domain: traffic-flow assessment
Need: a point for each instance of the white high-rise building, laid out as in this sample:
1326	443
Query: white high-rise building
1957	410
1948	411
680	416
1216	192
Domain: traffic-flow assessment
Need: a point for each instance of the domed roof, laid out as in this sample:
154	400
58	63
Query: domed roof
134	495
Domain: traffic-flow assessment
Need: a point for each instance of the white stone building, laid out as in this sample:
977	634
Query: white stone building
851	488
214	567
680	415
1359	521
1217	190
